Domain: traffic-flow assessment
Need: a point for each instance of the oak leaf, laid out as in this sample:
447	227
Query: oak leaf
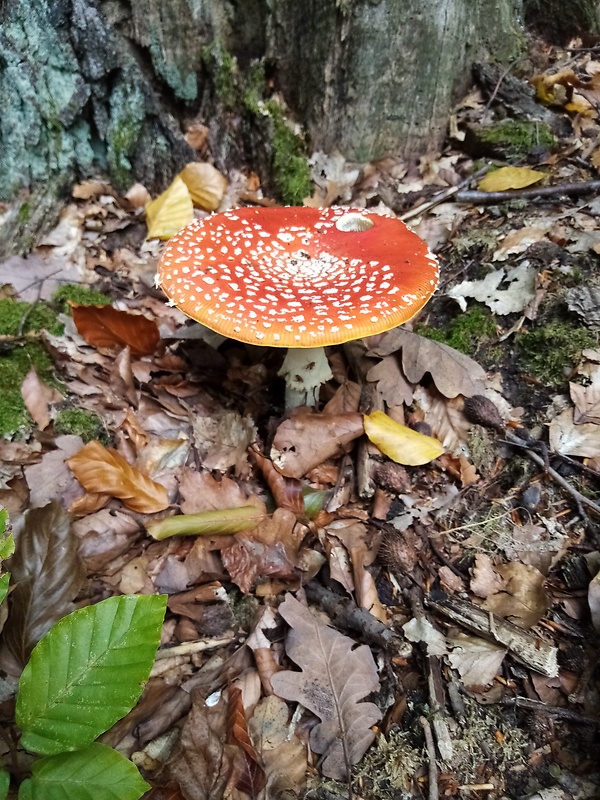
453	372
334	679
102	469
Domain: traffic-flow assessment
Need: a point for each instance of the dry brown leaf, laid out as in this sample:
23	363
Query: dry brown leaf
574	440
305	441
249	775
37	398
200	491
202	764
522	598
102	469
477	661
282	753
392	386
51	479
336	675
287	492
453	373
485	580
104	326
222	439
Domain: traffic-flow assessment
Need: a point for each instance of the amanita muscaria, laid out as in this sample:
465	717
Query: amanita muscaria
298	277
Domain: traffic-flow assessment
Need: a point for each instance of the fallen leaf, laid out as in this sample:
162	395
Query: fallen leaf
336	675
445	418
138	195
205	184
37	397
419	629
510	178
170	212
102	469
104	326
477	661
203	763
46	575
223	438
453	373
392	386
305	441
504	291
225	521
51	479
201	491
401	444
522	598
594	600
574	440
519	241
249	775
287	492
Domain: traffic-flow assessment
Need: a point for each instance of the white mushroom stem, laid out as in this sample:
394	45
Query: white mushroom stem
305	370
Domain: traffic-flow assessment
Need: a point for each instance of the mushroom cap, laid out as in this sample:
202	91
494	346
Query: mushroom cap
298	277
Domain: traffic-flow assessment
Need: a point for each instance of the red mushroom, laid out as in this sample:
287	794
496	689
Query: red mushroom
298	277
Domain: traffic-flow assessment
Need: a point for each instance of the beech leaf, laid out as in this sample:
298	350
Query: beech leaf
250	776
205	184
510	178
170	212
335	676
102	469
104	326
46	574
401	444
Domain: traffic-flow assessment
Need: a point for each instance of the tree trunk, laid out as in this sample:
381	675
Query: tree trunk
103	86
559	22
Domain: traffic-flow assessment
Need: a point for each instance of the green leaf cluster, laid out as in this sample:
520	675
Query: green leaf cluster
82	677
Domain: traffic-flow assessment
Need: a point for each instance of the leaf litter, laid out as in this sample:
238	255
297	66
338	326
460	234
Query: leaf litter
480	553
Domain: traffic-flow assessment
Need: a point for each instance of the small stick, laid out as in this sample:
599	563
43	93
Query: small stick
486	198
554	711
443	195
433	771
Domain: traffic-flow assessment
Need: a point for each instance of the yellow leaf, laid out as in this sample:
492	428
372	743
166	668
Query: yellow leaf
207	523
510	178
102	469
205	184
401	444
170	212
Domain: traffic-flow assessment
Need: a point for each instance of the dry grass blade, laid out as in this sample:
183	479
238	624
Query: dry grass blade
102	469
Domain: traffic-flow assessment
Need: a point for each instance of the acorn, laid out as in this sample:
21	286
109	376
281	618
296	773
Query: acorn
480	410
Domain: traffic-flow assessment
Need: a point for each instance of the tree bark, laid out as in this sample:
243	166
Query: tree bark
103	87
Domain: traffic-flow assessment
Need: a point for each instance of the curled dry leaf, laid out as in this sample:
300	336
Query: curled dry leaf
37	398
249	775
453	373
104	326
305	441
287	492
401	444
335	677
101	469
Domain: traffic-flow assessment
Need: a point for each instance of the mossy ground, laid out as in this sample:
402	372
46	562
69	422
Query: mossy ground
81	423
20	351
550	351
466	332
517	138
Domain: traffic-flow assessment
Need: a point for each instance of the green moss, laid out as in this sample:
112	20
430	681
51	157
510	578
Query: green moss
291	172
223	69
82	295
18	318
550	351
517	138
14	366
81	423
466	332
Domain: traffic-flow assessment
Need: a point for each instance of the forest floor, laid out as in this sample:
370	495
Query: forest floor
471	581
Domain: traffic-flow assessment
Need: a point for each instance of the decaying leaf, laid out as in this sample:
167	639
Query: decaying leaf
504	291
105	326
170	212
46	574
574	440
401	444
222	438
510	178
200	491
392	386
335	678
453	373
203	763
522	598
419	629
37	398
476	660
102	469
249	774
305	441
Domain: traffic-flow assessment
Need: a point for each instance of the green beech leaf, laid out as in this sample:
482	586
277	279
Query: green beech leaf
4	581
87	672
96	773
46	574
4	783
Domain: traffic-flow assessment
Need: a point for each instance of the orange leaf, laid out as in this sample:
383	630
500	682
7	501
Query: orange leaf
104	326
250	776
102	469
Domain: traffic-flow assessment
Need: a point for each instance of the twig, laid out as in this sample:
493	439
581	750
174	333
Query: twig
443	195
554	711
486	198
580	499
433	771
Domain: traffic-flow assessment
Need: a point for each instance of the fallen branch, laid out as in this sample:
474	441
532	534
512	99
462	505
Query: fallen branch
527	648
559	189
